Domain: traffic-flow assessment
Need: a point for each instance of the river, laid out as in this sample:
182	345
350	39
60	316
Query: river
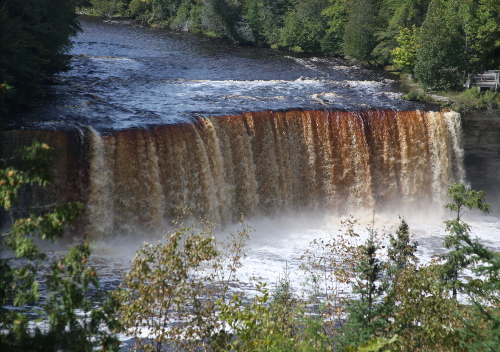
126	76
131	80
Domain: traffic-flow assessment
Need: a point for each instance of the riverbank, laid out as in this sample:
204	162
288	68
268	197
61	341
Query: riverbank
464	101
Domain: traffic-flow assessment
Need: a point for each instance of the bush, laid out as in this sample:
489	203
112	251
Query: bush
417	95
473	99
67	301
173	287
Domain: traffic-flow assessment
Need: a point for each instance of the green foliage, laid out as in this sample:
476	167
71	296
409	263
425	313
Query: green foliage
483	326
473	99
417	95
413	298
171	291
304	27
66	291
366	314
457	258
224	18
34	40
108	8
359	40
440	58
72	292
337	16
426	317
404	55
374	345
266	19
401	252
483	30
274	321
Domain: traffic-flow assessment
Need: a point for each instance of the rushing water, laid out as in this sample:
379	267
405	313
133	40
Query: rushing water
126	76
154	116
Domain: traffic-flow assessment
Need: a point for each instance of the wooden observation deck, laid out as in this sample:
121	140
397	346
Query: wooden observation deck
489	79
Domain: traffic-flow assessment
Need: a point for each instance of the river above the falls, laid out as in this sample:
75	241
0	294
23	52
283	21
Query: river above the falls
124	75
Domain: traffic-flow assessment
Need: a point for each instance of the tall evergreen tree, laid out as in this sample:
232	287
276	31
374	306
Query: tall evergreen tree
337	15
359	40
440	58
458	258
367	313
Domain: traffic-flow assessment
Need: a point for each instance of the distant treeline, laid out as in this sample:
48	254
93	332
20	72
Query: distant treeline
438	41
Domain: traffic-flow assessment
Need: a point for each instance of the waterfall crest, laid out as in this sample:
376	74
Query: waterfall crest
256	163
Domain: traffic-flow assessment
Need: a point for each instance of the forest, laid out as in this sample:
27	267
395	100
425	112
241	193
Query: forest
35	37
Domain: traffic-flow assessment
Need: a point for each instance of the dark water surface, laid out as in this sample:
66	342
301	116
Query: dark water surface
128	76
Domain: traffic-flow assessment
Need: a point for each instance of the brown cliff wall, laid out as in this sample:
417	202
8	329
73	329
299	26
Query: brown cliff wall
482	153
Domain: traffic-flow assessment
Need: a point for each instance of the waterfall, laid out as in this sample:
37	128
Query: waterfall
256	163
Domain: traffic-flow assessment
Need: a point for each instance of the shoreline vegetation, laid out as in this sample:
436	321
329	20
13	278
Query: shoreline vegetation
385	32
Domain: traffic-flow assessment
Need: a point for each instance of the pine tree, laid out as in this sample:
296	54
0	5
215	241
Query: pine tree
367	311
35	37
441	56
458	258
401	251
359	40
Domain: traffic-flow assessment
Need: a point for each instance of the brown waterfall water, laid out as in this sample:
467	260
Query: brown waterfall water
257	163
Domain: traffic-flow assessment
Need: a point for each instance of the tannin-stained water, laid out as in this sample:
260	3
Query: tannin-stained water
256	164
148	121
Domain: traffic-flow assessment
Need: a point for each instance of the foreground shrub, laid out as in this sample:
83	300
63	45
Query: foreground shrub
53	310
169	296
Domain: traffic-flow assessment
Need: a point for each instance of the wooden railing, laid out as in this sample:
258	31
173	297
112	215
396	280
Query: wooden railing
489	79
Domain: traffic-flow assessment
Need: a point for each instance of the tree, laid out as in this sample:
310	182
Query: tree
400	16
367	313
401	251
404	56
482	330
66	288
359	40
266	19
108	8
441	59
173	287
336	14
304	27
483	31
34	41
458	257
224	18
72	294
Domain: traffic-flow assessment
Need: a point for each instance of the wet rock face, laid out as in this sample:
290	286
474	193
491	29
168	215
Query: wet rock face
482	153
